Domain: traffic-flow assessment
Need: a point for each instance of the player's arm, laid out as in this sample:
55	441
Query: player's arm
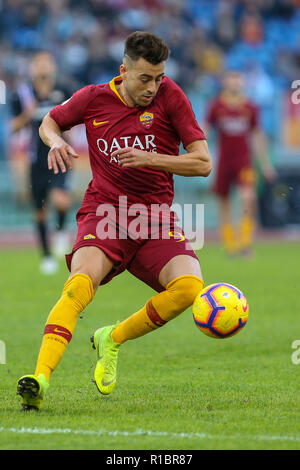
21	120
63	117
196	162
22	111
60	152
261	153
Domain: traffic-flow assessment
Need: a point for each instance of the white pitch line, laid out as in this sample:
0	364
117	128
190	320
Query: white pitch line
141	432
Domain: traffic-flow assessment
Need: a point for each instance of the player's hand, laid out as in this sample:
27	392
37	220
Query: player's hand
130	157
60	156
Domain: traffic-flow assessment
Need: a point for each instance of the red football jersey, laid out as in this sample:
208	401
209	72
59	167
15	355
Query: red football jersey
111	124
234	127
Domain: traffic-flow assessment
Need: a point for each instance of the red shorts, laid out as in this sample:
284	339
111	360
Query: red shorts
227	176
144	258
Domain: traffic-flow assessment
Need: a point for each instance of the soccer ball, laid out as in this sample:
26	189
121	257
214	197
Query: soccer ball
220	310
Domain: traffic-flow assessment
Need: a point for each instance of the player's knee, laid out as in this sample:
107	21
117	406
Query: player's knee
93	262
184	290
79	290
94	277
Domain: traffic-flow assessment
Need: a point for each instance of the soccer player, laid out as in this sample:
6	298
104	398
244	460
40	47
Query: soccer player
134	126
29	104
236	122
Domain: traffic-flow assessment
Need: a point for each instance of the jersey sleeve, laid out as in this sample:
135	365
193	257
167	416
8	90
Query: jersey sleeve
182	116
72	112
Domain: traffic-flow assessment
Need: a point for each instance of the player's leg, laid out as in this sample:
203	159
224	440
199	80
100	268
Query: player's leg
39	184
61	200
40	218
247	195
227	230
222	190
174	271
89	266
181	277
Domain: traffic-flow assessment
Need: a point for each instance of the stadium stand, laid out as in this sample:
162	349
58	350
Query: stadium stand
258	37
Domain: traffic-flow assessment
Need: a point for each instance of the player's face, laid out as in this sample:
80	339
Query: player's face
234	83
43	66
141	81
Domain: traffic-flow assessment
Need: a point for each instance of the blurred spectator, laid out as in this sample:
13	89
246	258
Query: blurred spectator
251	29
205	36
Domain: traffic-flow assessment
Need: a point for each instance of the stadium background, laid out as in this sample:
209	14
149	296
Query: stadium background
259	37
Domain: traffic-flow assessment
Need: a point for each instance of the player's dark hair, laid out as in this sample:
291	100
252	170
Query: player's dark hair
148	46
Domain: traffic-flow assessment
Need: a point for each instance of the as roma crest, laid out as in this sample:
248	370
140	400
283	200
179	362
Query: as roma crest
146	119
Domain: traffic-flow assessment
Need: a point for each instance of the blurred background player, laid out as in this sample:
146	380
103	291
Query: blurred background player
30	102
236	121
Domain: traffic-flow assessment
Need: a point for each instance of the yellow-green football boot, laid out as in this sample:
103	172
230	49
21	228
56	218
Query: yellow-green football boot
105	373
32	390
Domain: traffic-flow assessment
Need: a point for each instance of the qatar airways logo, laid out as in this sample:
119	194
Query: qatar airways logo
143	142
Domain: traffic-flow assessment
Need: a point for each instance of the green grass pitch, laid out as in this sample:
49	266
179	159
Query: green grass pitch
177	388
